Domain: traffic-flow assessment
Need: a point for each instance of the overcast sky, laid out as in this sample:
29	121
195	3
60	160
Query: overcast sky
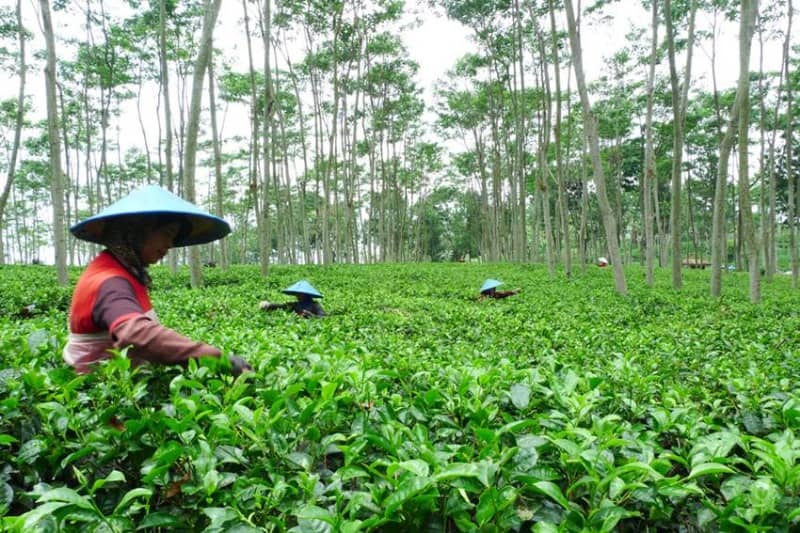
436	44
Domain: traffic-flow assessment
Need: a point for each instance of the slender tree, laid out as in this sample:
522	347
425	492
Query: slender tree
792	208
164	82
53	129
592	137
219	179
266	144
749	14
649	177
679	102
735	122
18	123
193	126
561	191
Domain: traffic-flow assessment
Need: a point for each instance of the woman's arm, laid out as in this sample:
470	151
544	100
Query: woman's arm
153	342
118	311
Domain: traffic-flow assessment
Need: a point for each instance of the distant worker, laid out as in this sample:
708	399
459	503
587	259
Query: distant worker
111	306
602	262
489	290
305	305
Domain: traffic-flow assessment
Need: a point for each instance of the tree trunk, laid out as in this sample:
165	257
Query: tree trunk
218	178
193	126
544	171
561	188
792	208
679	103
590	130
266	145
18	122
762	162
649	177
301	183
254	146
737	116
718	240
521	137
139	87
67	167
164	79
771	246
56	174
747	25
690	211
320	209
582	245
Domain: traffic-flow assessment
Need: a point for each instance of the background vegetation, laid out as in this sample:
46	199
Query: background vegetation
338	156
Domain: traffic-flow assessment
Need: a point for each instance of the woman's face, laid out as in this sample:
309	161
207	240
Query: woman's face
157	244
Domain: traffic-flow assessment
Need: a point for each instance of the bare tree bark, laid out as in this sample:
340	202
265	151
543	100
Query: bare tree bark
738	116
792	208
265	237
521	137
67	169
561	192
254	146
18	122
544	171
164	80
106	93
679	103
330	177
718	241
648	180
218	178
56	173
584	208
289	225
304	146
193	125
771	242
590	130
763	173
139	87
747	27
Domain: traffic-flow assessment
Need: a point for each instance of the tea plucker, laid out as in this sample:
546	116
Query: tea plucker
305	305
111	306
489	290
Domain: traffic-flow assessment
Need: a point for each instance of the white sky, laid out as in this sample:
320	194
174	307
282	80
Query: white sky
438	42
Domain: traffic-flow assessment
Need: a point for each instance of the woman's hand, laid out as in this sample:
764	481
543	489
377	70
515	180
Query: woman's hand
239	365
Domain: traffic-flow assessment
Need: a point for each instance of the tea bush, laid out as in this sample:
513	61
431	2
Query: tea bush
413	406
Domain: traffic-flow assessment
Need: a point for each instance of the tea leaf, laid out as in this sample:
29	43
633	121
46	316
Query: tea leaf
553	491
408	489
707	469
520	395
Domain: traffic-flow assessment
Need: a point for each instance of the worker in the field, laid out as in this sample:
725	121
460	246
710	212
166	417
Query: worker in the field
111	306
489	290
305	305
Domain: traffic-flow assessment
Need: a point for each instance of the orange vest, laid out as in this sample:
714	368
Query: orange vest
102	267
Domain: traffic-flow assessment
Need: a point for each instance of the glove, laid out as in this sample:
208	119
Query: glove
239	365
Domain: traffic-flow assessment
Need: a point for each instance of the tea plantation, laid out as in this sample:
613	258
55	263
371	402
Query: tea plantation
412	407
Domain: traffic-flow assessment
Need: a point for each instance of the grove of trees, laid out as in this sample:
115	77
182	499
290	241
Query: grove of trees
340	158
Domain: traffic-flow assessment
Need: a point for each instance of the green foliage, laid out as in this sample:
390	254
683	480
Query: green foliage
413	406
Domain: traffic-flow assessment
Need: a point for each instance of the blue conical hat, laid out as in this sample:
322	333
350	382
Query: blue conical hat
153	200
490	284
303	287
